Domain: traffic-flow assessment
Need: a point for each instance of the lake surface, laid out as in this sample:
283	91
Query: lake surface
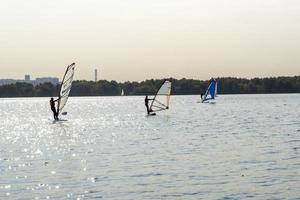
242	147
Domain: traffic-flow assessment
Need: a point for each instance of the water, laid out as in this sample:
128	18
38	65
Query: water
242	147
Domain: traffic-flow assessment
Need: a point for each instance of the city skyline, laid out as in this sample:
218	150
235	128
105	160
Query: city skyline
137	40
28	79
92	78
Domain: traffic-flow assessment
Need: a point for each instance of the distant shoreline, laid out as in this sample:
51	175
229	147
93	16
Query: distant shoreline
226	85
144	95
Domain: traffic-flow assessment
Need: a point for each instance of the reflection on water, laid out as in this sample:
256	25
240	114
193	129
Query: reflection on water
242	147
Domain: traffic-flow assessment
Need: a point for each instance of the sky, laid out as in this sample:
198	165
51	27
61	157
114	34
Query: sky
143	39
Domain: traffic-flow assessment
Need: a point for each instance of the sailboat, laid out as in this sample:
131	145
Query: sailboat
122	92
161	100
211	92
65	89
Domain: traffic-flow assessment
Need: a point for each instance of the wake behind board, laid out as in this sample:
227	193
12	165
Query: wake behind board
61	120
209	102
57	121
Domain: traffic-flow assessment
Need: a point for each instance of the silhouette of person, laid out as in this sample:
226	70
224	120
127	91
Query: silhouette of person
52	105
147	104
201	95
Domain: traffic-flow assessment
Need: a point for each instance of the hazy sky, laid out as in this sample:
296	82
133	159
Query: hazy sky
139	39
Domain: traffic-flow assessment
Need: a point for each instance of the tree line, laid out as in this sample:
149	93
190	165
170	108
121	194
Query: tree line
227	85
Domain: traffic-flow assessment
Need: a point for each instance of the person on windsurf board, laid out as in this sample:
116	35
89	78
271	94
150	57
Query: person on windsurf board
52	105
65	88
161	99
147	104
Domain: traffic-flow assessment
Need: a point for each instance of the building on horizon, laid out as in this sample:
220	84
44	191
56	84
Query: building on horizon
52	80
7	81
37	81
96	75
27	77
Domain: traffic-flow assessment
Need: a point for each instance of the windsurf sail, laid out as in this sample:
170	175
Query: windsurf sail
211	91
122	92
65	88
162	98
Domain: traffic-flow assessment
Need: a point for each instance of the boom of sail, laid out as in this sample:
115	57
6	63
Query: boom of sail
162	98
65	88
211	91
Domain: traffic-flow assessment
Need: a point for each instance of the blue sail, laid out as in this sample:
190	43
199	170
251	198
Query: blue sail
211	91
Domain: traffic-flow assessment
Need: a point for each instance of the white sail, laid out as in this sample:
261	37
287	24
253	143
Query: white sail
122	92
65	88
162	98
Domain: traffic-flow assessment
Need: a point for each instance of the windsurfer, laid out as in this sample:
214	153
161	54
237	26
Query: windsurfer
52	105
147	104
